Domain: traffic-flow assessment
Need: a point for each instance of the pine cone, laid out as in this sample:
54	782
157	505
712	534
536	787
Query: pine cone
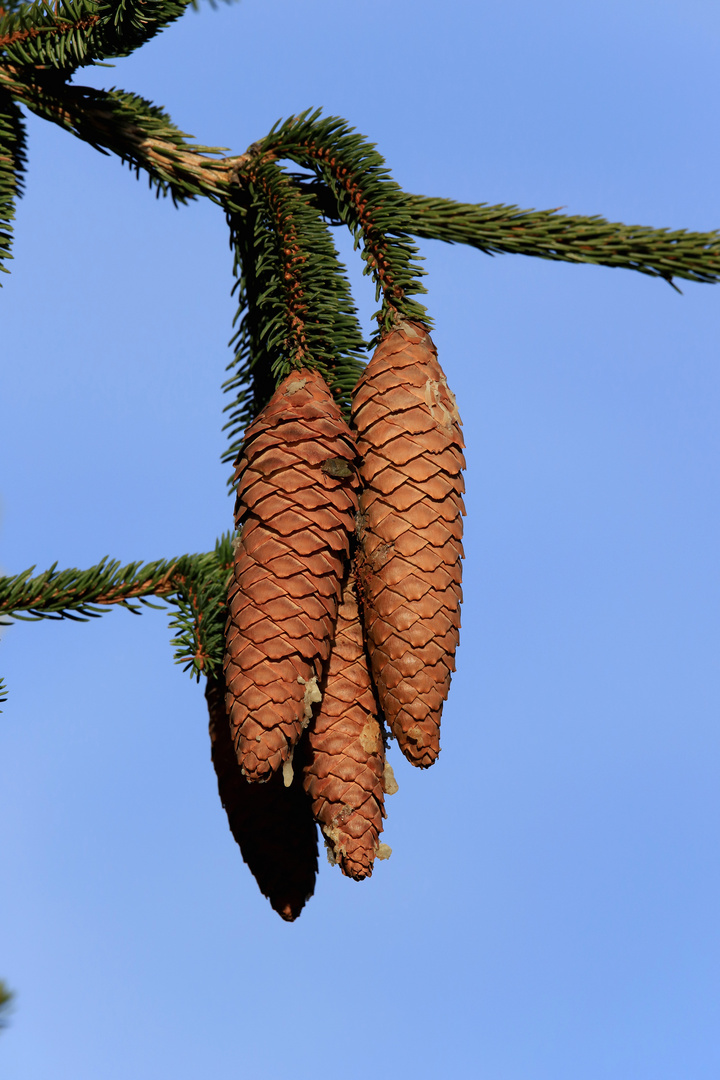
296	506
410	443
273	824
346	768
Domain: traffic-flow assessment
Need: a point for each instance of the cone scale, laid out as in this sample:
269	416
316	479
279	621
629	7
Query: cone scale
296	507
346	774
408	434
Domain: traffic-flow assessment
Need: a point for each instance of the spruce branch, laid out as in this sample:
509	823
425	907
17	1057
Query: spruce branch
142	135
84	594
295	304
547	234
201	602
196	585
12	167
139	133
73	33
368	201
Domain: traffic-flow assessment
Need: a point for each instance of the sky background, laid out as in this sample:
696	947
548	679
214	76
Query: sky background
550	910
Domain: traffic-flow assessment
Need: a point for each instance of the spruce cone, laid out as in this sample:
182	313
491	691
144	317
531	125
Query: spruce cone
273	824
346	768
296	505
409	439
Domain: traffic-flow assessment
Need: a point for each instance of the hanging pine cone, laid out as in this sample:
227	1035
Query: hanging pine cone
410	444
296	507
273	824
346	775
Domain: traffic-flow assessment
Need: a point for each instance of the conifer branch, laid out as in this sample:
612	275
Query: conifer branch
84	594
77	594
144	136
73	33
201	604
196	585
21	31
139	133
546	234
12	167
368	200
296	308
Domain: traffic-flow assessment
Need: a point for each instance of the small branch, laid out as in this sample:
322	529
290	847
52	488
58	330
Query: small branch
546	234
278	198
60	593
367	200
30	32
123	125
66	35
200	621
376	242
83	594
127	126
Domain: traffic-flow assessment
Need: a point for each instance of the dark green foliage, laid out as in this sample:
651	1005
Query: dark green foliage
125	124
549	235
148	122
194	584
295	305
83	594
74	33
201	602
12	165
367	200
139	132
3	696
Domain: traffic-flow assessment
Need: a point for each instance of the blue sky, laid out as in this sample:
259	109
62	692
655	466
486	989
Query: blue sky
550	908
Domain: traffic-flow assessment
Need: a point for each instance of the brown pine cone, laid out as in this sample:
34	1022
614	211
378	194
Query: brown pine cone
273	824
346	770
408	432
296	507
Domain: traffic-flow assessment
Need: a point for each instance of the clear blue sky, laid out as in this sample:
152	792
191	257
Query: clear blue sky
550	910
